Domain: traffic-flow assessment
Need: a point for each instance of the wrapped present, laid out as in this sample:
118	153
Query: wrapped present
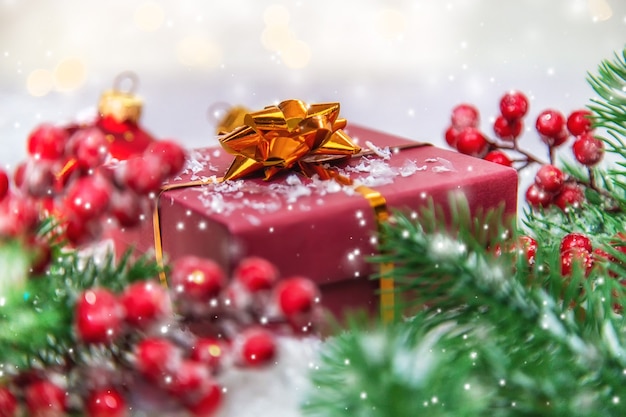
319	220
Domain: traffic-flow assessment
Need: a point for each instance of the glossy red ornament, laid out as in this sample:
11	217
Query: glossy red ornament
98	316
464	115
498	157
579	122
550	178
209	404
107	402
258	347
513	105
47	142
45	399
472	142
256	274
588	150
508	130
126	139
156	358
197	279
8	403
144	302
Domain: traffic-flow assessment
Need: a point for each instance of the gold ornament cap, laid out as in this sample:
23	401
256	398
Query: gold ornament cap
123	106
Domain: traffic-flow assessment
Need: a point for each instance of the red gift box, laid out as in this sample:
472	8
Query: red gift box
314	228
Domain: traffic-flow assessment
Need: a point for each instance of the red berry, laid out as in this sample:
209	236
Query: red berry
258	346
472	142
143	175
18	215
579	122
98	316
575	241
208	405
144	302
550	178
79	232
170	153
498	157
513	105
571	196
576	257
127	208
107	402
19	174
197	279
45	399
528	245
208	351
296	296
464	115
90	147
507	129
156	358
4	184
537	197
190	380
47	142
256	274
38	178
8	403
550	125
588	150
452	135
88	197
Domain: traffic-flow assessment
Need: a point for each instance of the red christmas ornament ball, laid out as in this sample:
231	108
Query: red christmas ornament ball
464	115
45	399
197	279
579	122
513	105
256	274
588	150
47	142
550	178
107	402
98	316
209	404
171	155
472	142
8	403
144	302
258	346
498	157
506	129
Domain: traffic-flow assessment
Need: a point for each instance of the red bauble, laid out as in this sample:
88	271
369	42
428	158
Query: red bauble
451	136
296	296
550	178
513	105
538	197
8	403
208	405
171	155
126	139
144	302
588	150
472	142
47	142
579	122
575	241
98	316
88	197
256	274
576	256
498	157
156	358
127	208
89	147
551	125
4	184
507	129
45	399
189	381
571	196
144	175
107	402
208	351
197	279
258	347
464	115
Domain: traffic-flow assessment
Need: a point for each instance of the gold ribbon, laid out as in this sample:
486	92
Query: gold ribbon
279	138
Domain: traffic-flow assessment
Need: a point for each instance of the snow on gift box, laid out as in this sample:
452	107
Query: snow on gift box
324	228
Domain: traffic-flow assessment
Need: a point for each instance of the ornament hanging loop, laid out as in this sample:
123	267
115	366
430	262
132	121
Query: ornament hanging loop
126	77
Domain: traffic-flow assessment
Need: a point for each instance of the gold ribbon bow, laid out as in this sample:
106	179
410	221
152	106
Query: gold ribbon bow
279	137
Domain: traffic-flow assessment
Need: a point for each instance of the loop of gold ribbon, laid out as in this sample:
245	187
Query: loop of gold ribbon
279	138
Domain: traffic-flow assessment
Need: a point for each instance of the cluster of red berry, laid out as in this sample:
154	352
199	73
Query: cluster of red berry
210	324
551	185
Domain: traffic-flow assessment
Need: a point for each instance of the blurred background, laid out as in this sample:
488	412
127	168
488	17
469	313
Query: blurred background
395	65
